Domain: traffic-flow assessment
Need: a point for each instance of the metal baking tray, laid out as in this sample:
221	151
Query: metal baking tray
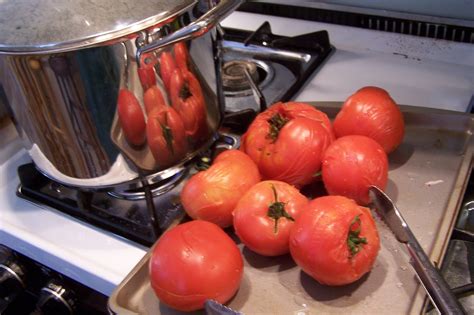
427	178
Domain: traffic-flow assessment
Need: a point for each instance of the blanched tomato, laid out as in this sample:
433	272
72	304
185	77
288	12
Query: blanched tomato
351	164
147	76
131	117
334	240
153	98
212	194
373	113
167	67
188	100
265	214
193	262
287	142
181	55
166	136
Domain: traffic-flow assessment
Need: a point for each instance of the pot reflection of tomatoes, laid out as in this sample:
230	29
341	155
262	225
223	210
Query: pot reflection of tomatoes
188	100
194	262
287	142
212	194
147	76
351	165
153	98
373	113
131	118
181	55
265	215
167	67
334	240
166	136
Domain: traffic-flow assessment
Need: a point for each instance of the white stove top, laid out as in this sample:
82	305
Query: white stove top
421	72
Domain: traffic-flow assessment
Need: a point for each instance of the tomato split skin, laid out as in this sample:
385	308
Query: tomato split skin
212	194
352	164
193	262
318	240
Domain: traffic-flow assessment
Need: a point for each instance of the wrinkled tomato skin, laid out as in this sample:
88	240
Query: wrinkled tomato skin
131	118
166	151
193	262
318	241
153	98
351	165
295	156
253	225
212	194
167	68
181	55
373	113
190	104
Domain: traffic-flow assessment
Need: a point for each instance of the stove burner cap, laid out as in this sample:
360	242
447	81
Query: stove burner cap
233	75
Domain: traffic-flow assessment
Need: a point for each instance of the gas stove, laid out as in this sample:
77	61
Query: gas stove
414	70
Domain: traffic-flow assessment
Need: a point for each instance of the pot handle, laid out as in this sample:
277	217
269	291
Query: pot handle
194	29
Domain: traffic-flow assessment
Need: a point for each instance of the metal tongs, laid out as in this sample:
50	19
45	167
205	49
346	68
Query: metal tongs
434	284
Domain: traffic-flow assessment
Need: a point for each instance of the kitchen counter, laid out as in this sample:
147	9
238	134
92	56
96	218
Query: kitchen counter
422	72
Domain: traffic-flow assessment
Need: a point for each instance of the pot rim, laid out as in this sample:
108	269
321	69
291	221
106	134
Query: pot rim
97	39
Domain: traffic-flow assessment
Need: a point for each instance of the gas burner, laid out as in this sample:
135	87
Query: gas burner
235	80
156	189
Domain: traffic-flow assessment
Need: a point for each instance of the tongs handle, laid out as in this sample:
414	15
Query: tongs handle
434	284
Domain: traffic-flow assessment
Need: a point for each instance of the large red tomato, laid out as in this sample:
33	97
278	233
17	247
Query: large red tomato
265	214
373	113
287	142
353	163
334	240
188	100
131	117
193	262
166	135
212	194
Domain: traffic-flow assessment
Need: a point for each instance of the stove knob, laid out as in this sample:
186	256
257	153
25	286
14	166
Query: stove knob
56	298
12	278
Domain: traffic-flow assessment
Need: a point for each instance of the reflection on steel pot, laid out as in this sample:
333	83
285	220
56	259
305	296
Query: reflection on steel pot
101	99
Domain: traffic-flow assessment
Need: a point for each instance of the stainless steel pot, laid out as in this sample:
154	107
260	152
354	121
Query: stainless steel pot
84	86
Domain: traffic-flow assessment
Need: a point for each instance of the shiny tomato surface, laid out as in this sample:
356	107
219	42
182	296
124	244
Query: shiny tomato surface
373	113
188	100
131	118
166	136
353	163
265	214
167	67
287	142
212	194
193	262
181	55
334	240
153	98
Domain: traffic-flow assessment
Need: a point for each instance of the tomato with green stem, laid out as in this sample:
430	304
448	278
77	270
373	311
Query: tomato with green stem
287	142
212	194
131	118
335	240
166	136
188	100
265	215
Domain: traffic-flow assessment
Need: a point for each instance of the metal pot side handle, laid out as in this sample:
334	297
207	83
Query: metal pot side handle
194	29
